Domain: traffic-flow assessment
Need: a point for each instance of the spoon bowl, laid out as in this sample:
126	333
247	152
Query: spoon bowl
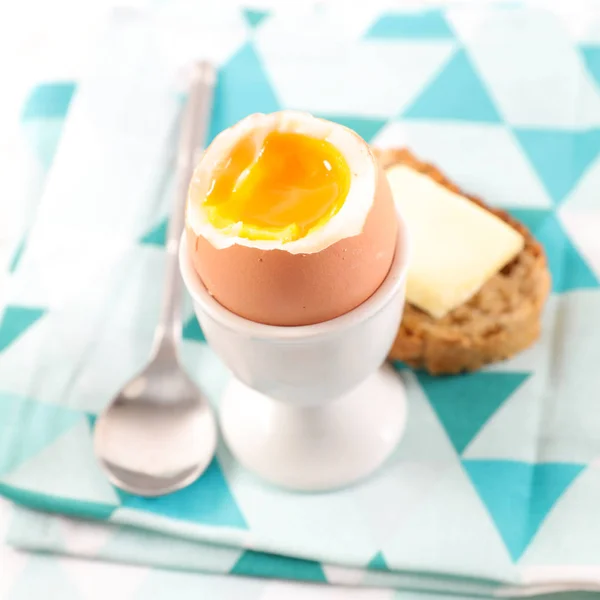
159	433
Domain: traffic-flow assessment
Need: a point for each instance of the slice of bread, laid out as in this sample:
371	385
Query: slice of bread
503	318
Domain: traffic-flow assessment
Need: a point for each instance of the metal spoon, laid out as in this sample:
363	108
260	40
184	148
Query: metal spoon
159	433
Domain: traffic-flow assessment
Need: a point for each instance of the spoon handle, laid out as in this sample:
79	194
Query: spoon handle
193	132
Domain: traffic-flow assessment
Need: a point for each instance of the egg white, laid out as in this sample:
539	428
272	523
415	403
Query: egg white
347	222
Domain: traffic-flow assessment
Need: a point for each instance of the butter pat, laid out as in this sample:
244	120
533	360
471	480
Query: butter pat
456	245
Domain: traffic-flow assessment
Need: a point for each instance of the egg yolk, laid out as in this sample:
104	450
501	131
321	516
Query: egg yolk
279	187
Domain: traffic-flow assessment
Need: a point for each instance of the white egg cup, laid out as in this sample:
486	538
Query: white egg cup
310	408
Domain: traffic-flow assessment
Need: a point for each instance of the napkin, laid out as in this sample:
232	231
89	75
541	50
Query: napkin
495	486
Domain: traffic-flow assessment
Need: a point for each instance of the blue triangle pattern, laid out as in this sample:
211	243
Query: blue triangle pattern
519	495
16	321
49	100
591	56
401	367
559	157
367	128
27	427
457	93
44	136
568	268
425	24
91	419
464	403
254	17
378	563
533	218
192	330
157	236
242	89
261	564
16	258
207	501
82	509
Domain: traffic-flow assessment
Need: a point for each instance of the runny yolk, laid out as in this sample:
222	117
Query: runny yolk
279	188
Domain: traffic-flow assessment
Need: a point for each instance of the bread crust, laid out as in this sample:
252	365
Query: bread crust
502	319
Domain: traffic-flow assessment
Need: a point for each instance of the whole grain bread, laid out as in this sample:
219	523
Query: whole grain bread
503	318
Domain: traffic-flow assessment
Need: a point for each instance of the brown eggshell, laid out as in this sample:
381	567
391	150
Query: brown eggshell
275	287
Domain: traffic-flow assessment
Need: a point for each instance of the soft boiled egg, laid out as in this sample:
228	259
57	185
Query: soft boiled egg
290	220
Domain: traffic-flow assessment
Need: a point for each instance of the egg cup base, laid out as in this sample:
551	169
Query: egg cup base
315	448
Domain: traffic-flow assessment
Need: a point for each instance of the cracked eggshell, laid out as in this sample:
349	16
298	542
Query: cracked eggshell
328	274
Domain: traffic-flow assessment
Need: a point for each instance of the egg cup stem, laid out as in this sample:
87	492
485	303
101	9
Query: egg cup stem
315	448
